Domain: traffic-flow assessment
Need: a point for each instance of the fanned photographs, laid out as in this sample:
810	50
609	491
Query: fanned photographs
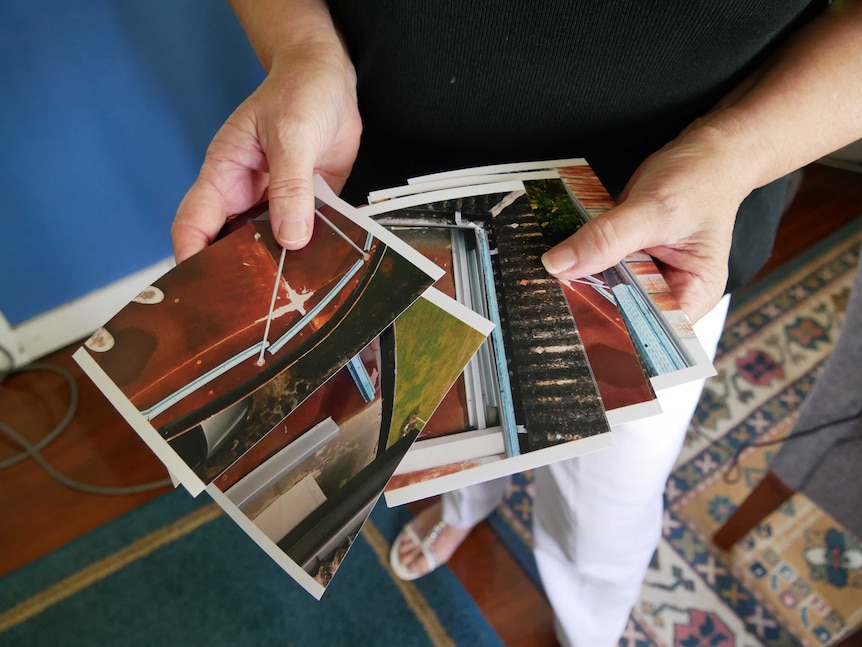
305	490
415	346
632	335
288	385
529	396
219	349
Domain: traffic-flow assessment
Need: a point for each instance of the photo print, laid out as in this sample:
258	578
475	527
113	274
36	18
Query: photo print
487	240
206	360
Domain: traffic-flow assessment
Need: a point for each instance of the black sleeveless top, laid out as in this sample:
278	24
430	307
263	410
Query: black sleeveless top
455	83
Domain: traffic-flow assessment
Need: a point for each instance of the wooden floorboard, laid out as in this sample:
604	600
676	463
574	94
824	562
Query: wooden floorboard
98	447
39	514
827	199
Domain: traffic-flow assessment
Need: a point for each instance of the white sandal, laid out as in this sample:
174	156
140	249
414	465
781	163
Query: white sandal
426	545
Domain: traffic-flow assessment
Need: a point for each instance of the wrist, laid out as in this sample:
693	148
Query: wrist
747	160
277	30
318	50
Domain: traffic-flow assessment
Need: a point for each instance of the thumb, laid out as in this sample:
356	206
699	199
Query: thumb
600	243
199	217
291	195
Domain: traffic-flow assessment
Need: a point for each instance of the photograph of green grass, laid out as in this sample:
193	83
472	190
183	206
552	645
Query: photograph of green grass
426	364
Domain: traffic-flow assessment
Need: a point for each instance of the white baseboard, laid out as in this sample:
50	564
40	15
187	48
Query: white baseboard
76	320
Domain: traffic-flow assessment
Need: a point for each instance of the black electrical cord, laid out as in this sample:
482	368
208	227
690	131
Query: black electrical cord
32	450
733	473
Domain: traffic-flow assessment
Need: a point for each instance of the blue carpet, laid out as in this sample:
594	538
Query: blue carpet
513	522
177	572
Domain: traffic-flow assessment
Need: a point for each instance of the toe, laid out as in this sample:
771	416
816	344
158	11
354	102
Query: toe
416	564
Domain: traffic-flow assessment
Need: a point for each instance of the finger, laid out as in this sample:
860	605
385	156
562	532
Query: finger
602	243
199	218
291	190
232	179
695	276
696	294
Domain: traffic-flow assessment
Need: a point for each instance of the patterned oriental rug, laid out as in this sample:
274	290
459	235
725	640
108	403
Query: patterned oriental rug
796	579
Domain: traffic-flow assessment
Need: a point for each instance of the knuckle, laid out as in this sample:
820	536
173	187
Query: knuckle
668	204
290	188
603	236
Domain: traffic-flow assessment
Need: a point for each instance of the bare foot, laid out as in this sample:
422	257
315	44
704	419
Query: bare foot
441	546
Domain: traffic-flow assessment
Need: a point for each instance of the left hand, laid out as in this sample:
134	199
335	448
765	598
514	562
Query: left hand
679	207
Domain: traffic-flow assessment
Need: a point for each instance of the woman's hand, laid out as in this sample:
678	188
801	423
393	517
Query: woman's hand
679	207
681	203
302	120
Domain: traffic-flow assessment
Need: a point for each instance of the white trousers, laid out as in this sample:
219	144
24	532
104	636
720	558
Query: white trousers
597	519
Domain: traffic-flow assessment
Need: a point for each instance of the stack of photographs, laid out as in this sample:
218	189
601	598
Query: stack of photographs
576	358
288	385
416	345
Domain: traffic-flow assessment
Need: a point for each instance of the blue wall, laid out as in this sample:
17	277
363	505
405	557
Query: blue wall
106	111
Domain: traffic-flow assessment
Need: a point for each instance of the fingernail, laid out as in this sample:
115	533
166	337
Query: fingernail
559	259
292	231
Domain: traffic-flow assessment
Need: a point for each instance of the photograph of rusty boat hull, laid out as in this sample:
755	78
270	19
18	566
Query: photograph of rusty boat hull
198	356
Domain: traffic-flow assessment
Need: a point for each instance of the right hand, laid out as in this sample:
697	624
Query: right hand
302	120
